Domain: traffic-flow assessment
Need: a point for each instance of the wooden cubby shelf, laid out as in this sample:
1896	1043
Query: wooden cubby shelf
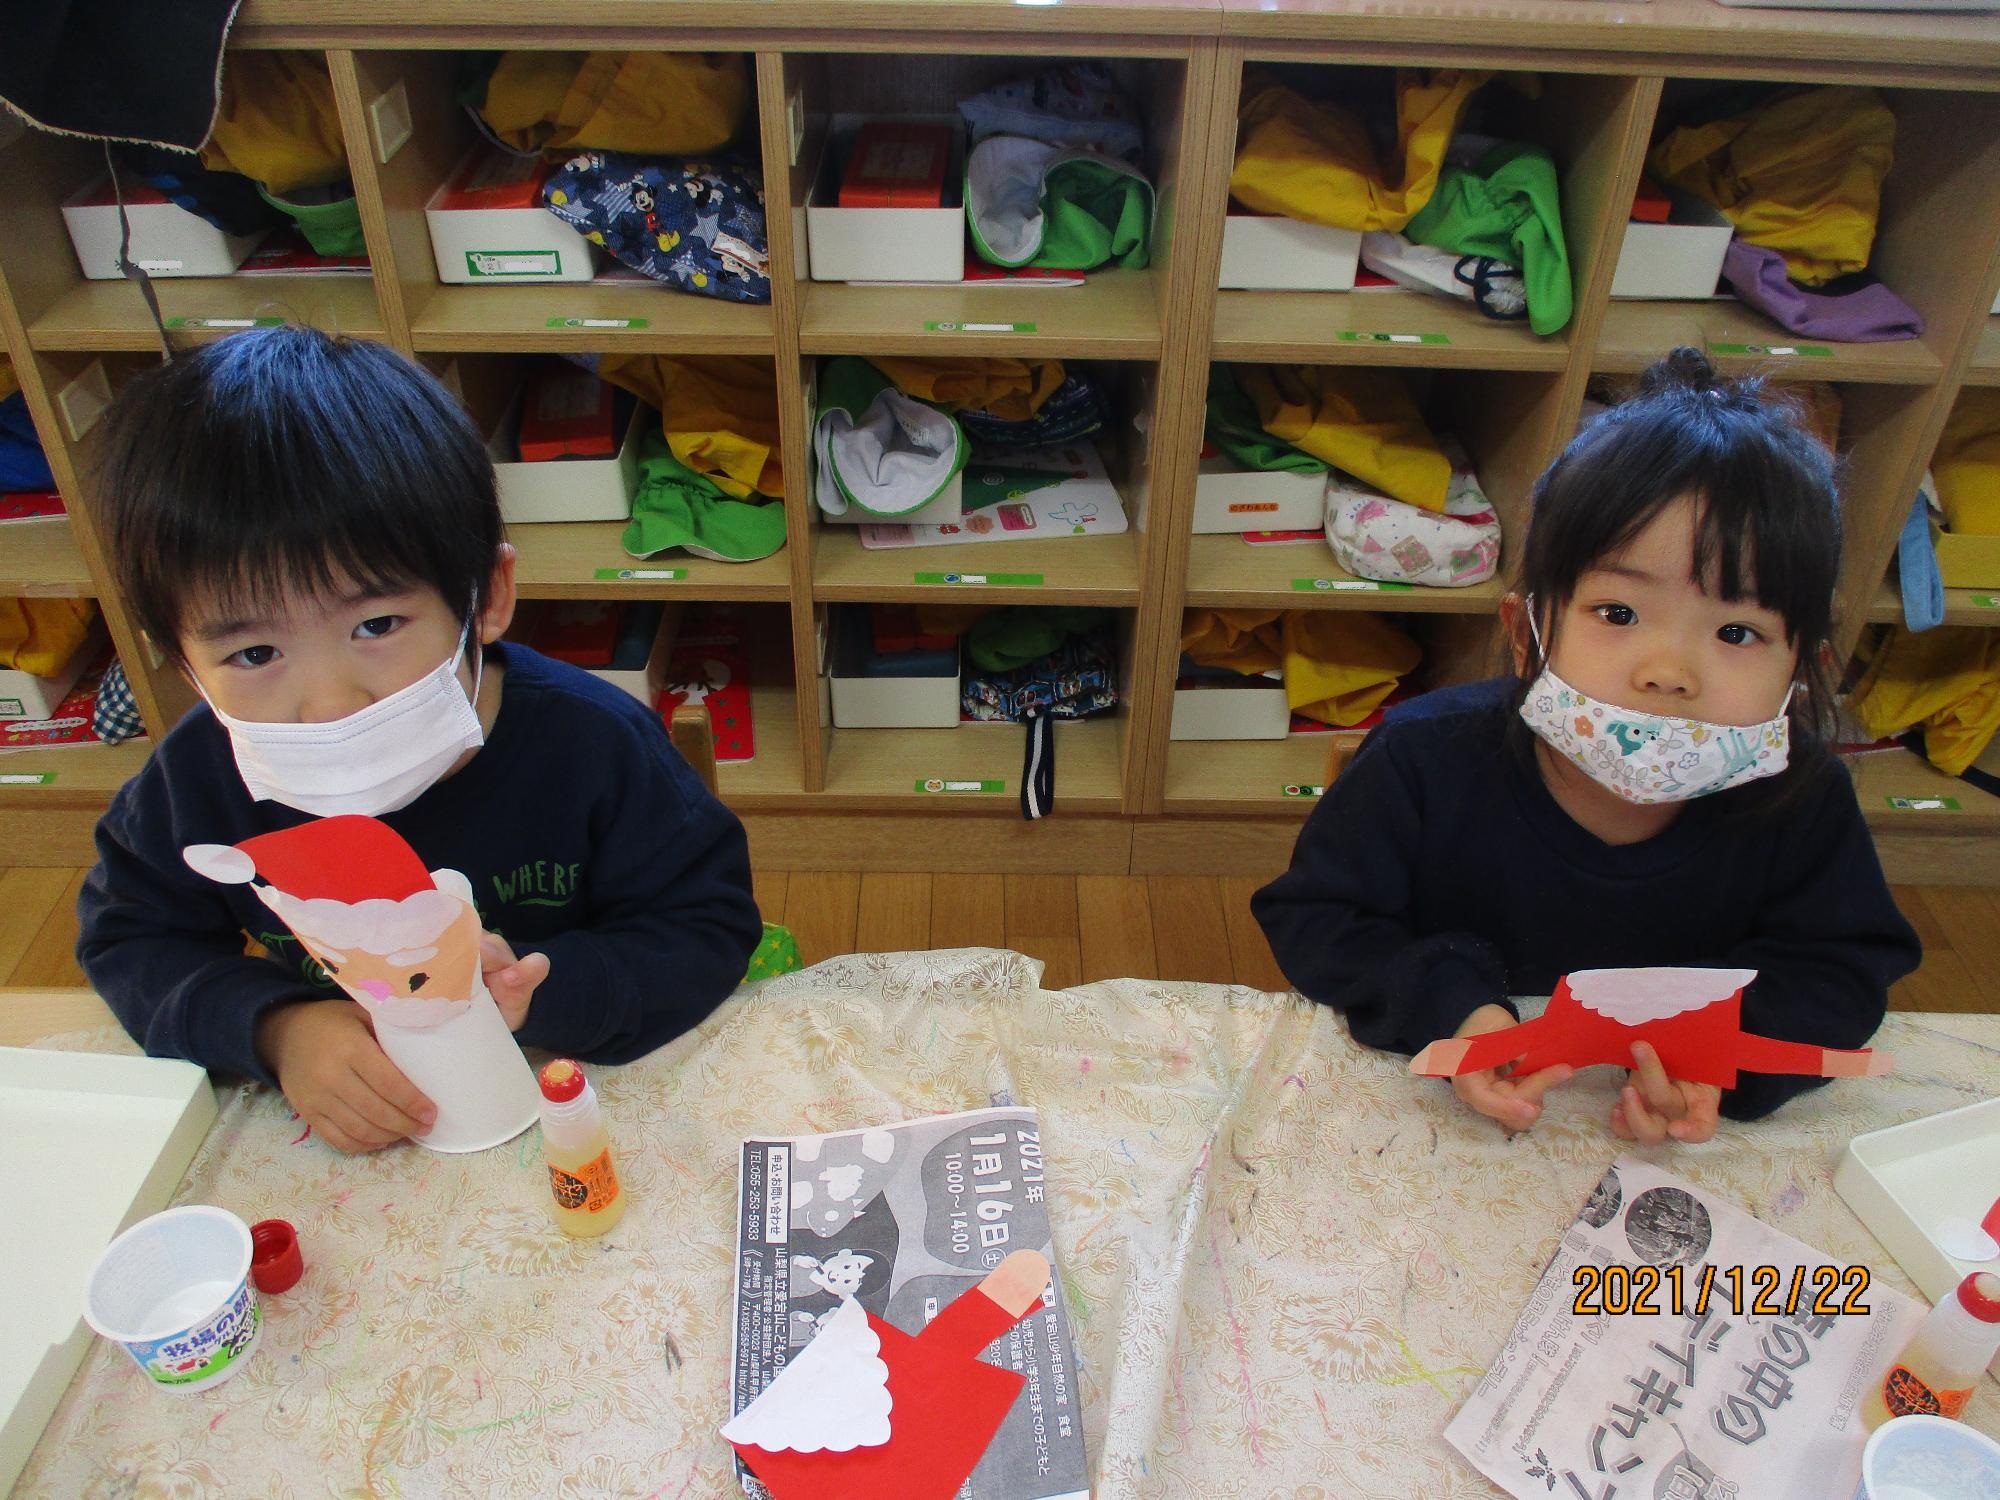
41	558
1961	607
1611	77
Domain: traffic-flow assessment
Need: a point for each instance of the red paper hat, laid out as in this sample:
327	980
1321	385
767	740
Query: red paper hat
348	859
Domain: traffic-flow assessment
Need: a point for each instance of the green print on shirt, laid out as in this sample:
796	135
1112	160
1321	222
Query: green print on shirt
539	884
280	944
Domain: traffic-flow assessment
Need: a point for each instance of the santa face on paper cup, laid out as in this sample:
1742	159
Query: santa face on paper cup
174	1293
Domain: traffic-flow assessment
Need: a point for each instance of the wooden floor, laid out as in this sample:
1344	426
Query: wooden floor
1082	927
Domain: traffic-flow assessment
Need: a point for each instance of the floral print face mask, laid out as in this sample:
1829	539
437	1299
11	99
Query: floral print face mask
1650	758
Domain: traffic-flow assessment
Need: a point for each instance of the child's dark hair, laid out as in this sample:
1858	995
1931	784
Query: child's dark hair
284	461
1767	509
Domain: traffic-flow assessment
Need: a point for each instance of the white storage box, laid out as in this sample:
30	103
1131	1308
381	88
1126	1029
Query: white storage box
644	681
167	240
1229	497
25	696
119	1131
1680	260
883	244
566	489
1248	708
883	702
1287	255
1914	1185
488	225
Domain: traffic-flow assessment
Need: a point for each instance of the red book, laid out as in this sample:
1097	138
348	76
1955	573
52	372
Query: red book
493	179
583	633
709	665
566	412
897	164
31	505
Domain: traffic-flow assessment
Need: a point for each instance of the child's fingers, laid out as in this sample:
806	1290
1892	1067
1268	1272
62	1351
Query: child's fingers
494	952
388	1099
347	1129
1532	1086
1704	1111
1647	1127
1659	1091
1496	1099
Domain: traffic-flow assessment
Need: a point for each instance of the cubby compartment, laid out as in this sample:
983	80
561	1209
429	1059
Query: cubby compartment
587	559
1504	423
62	310
1943	159
996	488
1116	312
618	308
1290	774
1579	120
977	765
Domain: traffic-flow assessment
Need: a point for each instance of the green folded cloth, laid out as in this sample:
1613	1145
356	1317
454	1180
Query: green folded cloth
1507	208
331	225
1030	203
676	507
1233	427
1017	634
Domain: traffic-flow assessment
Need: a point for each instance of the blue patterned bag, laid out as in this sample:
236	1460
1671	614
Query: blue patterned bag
692	223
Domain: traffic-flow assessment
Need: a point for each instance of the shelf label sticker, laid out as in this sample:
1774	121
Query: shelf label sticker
649	575
225	324
1986	601
598	323
1349	586
985	580
27	778
1298	789
500	263
1924	804
1356	336
953	325
1775	351
944	784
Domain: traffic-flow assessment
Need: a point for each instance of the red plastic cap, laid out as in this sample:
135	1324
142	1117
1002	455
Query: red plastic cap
1979	1294
275	1262
562	1080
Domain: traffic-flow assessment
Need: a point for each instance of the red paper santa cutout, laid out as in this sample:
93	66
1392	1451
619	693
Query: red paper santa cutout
403	941
865	1411
1692	1017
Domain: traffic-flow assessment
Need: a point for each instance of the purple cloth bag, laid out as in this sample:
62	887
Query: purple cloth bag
1869	314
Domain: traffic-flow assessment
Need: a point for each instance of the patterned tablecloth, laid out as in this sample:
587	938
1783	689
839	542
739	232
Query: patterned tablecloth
1289	1260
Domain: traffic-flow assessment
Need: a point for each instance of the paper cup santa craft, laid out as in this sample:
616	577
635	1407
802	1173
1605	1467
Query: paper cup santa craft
404	942
1692	1017
865	1411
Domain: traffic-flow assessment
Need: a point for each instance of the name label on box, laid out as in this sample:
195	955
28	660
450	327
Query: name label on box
1985	601
1777	351
29	778
491	263
1348	586
597	323
225	323
1297	789
1924	804
941	784
650	575
984	580
947	325
1355	336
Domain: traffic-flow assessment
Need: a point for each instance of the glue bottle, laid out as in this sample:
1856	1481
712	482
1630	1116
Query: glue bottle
583	1182
1939	1369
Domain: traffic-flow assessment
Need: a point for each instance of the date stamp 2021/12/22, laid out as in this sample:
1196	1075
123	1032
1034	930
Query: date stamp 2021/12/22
1756	1291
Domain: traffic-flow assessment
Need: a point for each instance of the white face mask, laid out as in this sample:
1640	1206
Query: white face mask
1645	757
373	761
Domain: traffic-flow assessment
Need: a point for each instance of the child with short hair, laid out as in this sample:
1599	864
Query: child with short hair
1680	567
308	527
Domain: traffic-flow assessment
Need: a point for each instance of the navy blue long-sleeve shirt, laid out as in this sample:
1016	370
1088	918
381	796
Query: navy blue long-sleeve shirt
1438	875
583	832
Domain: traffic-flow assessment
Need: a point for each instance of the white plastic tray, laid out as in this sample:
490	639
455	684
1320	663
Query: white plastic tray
1904	1181
88	1144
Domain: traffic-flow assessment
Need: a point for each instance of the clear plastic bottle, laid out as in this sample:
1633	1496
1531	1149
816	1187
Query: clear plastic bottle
583	1181
1940	1368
